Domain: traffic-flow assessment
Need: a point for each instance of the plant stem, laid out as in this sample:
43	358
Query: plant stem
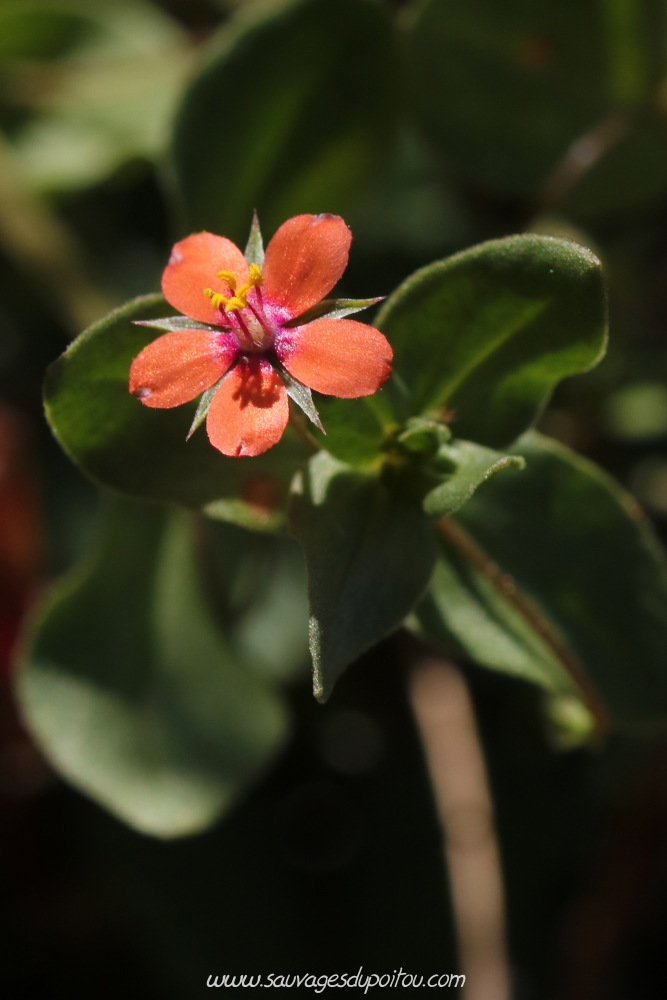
503	582
445	718
581	156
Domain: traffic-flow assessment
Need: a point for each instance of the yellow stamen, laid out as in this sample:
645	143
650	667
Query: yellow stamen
255	275
235	303
240	299
218	301
229	277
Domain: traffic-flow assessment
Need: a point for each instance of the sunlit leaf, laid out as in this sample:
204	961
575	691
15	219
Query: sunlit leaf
484	336
290	113
131	690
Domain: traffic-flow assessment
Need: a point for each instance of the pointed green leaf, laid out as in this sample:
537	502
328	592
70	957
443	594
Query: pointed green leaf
134	449
369	553
488	333
132	692
470	465
311	89
579	546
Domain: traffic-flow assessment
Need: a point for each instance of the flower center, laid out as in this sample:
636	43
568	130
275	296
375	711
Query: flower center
248	319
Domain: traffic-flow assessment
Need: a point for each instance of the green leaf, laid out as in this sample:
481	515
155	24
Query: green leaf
132	692
37	32
290	113
140	451
470	465
369	554
463	613
354	430
505	93
579	546
111	94
488	333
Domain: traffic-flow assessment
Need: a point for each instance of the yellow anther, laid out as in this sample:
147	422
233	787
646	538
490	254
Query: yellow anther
235	303
255	275
239	301
218	301
229	277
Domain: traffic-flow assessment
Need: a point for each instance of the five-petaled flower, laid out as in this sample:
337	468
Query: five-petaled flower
243	345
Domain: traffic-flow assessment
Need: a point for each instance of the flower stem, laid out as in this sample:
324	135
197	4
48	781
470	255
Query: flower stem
444	714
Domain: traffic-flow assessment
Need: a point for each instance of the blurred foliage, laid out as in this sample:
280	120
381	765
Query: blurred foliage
432	126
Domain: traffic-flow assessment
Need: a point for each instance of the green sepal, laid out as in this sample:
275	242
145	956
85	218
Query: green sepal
177	323
333	309
254	251
203	407
301	395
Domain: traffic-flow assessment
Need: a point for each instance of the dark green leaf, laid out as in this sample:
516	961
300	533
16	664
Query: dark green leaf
471	465
488	333
355	432
140	451
506	92
290	114
464	613
369	554
131	690
580	547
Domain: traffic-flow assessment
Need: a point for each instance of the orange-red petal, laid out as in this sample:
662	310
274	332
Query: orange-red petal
193	266
305	259
249	411
179	366
338	357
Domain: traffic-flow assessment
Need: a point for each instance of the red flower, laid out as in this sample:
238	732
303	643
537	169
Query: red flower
246	350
